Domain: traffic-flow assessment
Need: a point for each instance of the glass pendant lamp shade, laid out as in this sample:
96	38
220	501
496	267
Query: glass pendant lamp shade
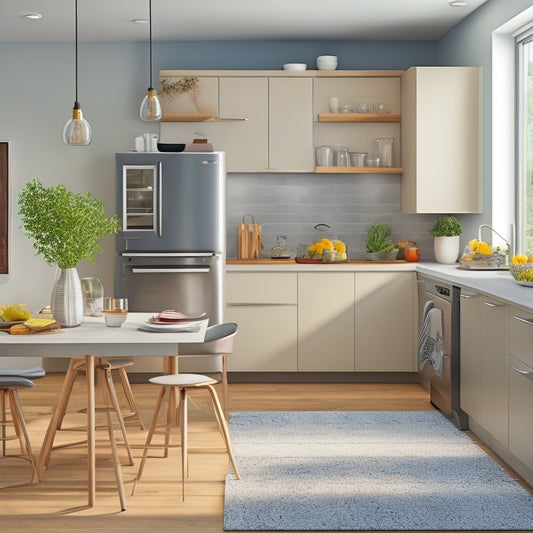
150	106
77	131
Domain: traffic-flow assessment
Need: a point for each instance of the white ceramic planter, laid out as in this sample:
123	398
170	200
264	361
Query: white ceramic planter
67	298
446	249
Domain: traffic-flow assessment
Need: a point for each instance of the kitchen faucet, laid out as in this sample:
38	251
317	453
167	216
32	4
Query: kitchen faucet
508	242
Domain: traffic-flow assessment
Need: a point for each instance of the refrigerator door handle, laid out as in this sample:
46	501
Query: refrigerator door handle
186	270
160	198
209	162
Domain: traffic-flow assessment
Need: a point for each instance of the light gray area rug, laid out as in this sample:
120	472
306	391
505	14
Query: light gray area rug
331	471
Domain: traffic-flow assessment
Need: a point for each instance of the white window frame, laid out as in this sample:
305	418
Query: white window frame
524	171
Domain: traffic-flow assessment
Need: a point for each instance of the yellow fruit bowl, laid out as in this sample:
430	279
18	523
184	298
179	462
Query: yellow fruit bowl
522	273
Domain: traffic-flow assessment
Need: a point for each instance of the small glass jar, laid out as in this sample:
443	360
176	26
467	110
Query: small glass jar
412	254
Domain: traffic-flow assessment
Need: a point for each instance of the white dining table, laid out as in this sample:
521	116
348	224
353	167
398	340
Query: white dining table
93	340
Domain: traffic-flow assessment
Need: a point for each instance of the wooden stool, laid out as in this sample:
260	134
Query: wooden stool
109	366
9	396
109	402
172	385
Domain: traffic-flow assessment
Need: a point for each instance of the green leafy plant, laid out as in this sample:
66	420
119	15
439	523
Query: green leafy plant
378	238
64	226
446	226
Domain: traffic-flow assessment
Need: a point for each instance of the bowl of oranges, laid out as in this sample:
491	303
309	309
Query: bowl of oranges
521	268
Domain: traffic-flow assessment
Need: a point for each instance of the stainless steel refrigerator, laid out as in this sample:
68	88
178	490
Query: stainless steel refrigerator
171	250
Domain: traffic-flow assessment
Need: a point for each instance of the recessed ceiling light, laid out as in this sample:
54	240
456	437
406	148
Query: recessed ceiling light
33	16
140	21
458	3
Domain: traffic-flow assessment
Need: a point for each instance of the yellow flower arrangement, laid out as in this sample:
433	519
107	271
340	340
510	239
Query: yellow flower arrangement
519	259
336	250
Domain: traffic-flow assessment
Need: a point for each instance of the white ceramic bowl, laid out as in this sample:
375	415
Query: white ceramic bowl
326	62
295	66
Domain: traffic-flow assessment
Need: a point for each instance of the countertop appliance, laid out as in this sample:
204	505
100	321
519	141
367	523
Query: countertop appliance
444	390
171	250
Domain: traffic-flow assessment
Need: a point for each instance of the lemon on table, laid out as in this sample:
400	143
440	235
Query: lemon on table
15	312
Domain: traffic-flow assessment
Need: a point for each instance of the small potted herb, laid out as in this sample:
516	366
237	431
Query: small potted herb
65	228
379	244
446	231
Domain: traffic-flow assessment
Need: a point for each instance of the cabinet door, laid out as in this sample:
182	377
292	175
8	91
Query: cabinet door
494	392
440	140
326	322
470	393
245	142
264	305
520	402
385	312
266	340
291	125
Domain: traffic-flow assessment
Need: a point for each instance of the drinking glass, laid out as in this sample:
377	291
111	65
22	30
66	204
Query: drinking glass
93	296
385	149
115	311
324	156
341	157
358	159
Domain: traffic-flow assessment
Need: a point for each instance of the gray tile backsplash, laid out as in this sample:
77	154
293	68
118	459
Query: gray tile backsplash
292	204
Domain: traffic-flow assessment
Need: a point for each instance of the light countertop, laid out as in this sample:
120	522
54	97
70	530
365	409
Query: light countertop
496	283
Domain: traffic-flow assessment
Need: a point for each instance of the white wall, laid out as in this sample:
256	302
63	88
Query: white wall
37	84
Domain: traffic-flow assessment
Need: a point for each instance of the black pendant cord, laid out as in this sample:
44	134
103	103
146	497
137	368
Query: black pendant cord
150	20
76	104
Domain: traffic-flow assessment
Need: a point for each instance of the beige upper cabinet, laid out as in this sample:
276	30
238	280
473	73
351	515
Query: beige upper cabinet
291	125
440	152
244	141
263	123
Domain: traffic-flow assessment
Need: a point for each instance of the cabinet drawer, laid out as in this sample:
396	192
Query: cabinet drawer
521	336
261	288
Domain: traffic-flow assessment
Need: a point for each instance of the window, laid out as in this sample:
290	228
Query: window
525	142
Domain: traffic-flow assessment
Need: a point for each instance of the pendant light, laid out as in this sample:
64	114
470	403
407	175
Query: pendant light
77	131
150	106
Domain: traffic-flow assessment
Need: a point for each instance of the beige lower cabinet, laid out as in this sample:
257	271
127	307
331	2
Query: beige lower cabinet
521	385
326	322
493	369
322	321
384	316
264	305
470	393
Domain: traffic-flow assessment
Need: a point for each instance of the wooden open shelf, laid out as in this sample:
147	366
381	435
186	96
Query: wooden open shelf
359	117
359	170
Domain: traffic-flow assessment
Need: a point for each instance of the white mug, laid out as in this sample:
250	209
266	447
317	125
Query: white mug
138	143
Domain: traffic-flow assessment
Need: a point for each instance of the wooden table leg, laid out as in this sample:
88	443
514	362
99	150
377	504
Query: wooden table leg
91	439
48	442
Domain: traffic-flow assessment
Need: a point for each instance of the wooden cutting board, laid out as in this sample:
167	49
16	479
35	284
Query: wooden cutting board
250	241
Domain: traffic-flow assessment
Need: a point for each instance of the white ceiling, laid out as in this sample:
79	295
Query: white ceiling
214	20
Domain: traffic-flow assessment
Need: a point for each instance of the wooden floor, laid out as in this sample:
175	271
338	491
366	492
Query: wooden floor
59	501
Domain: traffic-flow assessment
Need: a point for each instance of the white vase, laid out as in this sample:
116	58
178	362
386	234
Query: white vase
446	249
67	298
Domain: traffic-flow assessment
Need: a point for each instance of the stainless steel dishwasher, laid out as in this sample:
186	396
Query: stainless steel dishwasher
444	390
